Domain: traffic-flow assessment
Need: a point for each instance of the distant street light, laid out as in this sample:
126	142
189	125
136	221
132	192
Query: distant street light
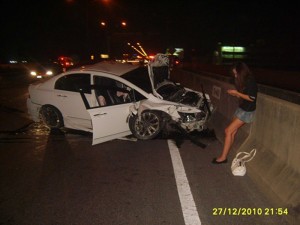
106	1
141	51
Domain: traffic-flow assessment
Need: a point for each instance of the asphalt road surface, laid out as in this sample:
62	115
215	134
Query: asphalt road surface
59	178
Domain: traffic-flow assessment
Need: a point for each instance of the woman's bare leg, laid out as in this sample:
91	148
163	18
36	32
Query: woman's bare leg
230	133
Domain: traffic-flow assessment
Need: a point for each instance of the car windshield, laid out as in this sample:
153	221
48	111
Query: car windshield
140	78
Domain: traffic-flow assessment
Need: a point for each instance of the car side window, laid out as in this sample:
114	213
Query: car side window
74	82
111	92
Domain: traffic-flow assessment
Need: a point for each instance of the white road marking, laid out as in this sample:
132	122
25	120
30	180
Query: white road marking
188	206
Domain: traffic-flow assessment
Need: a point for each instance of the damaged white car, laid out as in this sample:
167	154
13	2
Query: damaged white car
113	100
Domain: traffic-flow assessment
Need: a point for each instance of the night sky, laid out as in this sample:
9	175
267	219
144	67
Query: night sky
48	28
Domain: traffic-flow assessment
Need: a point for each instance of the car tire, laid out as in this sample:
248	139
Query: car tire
149	125
51	116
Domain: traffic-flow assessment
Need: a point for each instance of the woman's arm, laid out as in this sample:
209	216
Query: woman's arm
237	94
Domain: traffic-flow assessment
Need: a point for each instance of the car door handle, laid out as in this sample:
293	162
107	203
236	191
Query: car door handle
64	96
100	114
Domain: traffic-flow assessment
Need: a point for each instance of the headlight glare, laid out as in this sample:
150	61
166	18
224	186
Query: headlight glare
49	72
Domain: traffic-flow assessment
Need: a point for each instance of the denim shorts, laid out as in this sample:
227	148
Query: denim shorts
244	116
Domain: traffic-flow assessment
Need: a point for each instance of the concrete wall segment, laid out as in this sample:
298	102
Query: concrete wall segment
275	133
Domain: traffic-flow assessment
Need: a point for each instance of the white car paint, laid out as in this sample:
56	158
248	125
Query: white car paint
110	122
70	104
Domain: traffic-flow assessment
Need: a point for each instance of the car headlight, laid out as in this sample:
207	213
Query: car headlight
49	73
33	73
191	117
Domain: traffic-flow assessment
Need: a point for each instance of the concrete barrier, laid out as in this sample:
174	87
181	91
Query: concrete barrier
275	133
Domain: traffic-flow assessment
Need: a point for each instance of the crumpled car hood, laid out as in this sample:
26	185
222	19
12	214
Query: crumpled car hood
179	94
165	89
158	70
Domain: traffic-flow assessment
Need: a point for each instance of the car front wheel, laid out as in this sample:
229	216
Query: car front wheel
147	126
51	116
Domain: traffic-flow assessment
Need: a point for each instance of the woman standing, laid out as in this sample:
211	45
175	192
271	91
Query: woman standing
246	91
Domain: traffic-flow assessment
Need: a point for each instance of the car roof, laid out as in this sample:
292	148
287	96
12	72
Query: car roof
111	67
108	67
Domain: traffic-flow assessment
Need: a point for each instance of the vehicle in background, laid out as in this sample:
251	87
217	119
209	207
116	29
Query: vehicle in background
113	100
42	70
65	62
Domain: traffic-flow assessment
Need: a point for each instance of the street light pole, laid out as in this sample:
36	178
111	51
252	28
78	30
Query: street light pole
87	28
107	36
109	30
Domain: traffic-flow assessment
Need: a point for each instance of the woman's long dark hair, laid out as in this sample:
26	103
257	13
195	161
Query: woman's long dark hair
243	72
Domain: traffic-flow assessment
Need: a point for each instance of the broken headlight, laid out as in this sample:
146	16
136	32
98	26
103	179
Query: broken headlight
191	117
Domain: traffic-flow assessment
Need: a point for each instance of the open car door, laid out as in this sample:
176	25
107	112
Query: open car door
109	122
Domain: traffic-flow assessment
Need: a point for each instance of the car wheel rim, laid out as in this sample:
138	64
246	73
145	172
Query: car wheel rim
148	125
